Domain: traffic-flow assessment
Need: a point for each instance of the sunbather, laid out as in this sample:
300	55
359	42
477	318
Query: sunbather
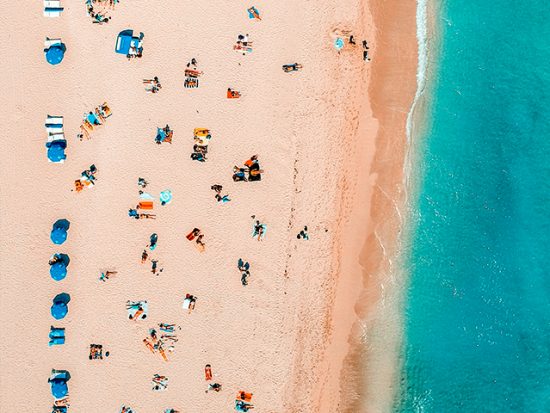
105	275
259	230
142	183
195	233
233	94
214	386
219	197
200	245
292	67
208	372
239	174
189	302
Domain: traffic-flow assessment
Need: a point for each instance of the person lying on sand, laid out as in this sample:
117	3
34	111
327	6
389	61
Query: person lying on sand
194	233
105	275
294	67
154	265
233	94
215	387
259	230
219	197
239	174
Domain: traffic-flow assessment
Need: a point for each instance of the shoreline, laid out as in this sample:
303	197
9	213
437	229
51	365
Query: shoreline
373	323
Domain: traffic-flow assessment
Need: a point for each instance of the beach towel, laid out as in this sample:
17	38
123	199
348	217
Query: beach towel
148	205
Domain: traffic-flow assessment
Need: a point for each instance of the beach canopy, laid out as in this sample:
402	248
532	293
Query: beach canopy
55	54
126	40
59	308
59	231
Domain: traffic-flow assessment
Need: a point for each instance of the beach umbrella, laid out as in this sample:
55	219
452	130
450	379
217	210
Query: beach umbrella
56	153
59	231
55	54
59	308
339	43
165	197
58	236
58	271
59	388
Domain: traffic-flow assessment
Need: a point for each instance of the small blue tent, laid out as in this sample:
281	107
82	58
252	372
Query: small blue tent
126	40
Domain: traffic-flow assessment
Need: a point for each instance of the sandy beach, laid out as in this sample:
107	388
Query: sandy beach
331	140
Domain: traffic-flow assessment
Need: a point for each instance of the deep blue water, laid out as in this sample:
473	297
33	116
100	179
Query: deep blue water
477	309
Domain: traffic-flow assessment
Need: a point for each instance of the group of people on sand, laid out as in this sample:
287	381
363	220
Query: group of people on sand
219	197
101	16
87	178
92	119
243	44
250	172
96	352
201	139
192	74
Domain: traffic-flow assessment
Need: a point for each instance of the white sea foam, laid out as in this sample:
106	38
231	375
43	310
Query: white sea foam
422	38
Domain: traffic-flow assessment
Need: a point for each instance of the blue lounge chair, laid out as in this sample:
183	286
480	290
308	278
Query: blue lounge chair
57	336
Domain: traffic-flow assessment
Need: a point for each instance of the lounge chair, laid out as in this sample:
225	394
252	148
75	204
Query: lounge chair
52	8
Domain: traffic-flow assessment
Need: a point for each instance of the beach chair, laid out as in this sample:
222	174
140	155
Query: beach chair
52	8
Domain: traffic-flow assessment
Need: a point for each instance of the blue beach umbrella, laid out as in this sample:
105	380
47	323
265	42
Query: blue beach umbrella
56	150
59	388
59	308
59	231
55	54
58	271
56	153
58	236
339	43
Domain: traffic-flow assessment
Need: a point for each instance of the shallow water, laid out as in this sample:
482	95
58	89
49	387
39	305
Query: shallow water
477	310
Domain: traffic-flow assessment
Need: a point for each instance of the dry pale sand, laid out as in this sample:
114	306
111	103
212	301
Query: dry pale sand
283	337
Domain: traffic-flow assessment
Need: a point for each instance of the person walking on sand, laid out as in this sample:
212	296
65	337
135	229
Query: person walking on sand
144	256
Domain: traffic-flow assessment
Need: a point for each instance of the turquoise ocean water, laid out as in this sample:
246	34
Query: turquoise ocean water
477	306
